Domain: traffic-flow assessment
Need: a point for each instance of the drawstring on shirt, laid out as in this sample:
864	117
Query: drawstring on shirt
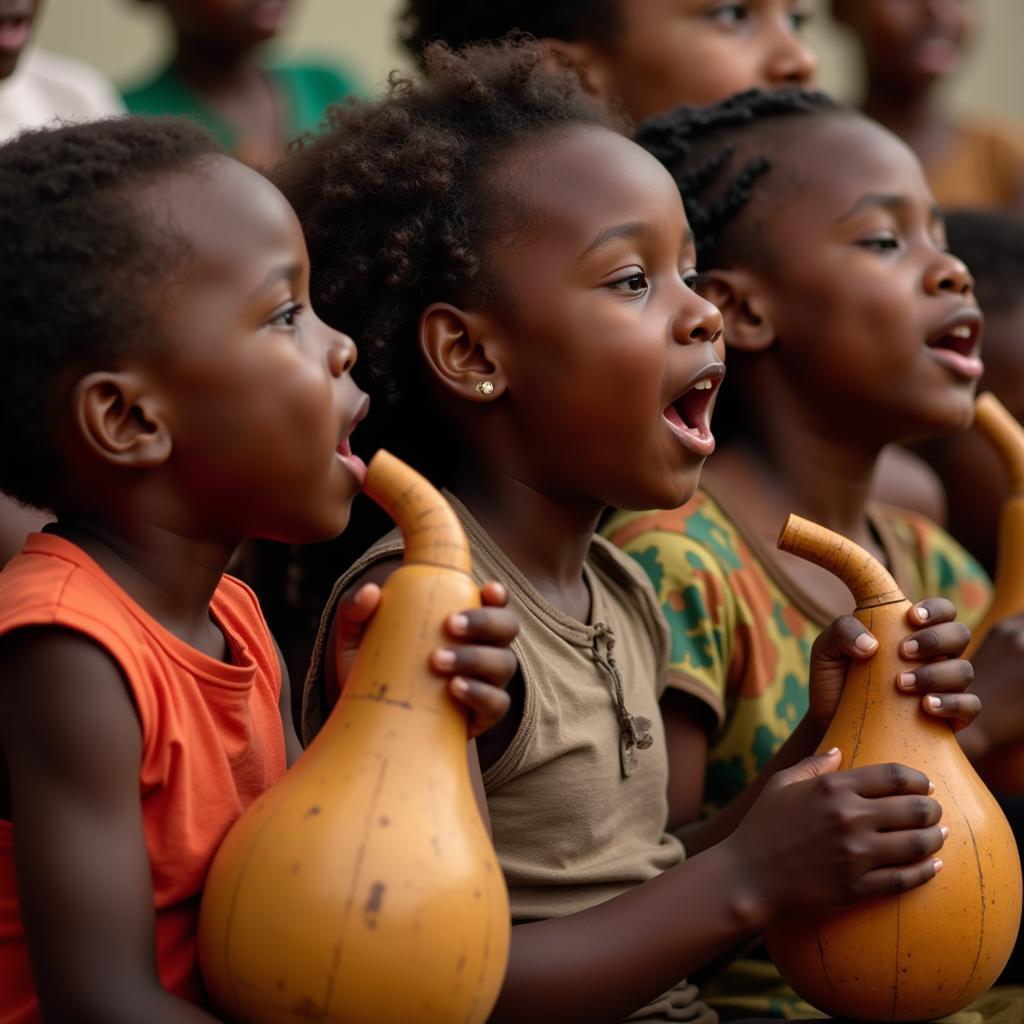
634	732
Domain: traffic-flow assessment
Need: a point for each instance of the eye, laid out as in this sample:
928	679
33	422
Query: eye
729	14
694	281
880	242
799	19
287	317
634	283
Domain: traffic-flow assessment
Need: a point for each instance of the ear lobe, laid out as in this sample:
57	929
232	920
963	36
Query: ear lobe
748	323
117	417
583	58
461	352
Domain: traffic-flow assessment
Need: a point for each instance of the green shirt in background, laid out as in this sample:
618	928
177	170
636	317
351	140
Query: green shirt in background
306	91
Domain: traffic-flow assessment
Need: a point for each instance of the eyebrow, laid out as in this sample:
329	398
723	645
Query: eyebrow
889	201
282	272
632	230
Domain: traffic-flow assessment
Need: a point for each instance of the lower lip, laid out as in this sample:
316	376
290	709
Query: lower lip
269	16
353	463
967	367
937	57
700	443
14	35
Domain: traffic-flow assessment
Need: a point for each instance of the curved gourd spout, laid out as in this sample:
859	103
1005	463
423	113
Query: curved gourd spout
867	579
1005	433
430	529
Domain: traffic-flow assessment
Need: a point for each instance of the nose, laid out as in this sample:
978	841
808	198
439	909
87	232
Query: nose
791	61
948	274
698	321
341	354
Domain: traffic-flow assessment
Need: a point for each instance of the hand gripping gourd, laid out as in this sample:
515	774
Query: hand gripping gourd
927	952
363	887
1004	769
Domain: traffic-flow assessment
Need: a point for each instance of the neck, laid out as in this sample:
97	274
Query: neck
546	538
211	66
170	576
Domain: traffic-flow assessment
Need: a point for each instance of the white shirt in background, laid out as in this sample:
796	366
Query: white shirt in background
45	86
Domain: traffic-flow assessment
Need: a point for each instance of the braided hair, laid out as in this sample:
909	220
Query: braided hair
462	22
721	157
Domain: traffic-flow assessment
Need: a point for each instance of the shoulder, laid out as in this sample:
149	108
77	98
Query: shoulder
76	90
993	136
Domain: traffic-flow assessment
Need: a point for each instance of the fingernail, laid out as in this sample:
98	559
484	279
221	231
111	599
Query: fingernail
460	684
931	787
905	680
922	612
937	864
865	642
910	647
831	751
444	658
933	702
944	829
458	623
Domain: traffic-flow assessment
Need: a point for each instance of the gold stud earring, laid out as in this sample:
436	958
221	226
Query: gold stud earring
486	388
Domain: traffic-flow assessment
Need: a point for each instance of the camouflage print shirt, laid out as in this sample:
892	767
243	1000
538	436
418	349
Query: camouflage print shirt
744	636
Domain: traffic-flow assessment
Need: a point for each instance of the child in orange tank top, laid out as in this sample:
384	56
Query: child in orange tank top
167	393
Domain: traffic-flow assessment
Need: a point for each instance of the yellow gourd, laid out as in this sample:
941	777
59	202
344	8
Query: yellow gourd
1004	769
363	887
928	952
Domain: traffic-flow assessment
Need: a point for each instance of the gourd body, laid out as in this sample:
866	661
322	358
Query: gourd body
1004	768
363	888
928	952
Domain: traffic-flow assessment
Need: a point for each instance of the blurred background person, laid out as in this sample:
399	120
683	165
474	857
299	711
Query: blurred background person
909	50
219	75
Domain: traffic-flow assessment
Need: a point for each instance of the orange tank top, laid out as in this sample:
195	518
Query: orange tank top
212	741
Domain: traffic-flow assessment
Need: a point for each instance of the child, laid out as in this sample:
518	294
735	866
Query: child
992	245
850	326
166	394
218	76
523	278
909	48
648	55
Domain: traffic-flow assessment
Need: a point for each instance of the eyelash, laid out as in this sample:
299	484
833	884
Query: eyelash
692	281
289	315
740	12
886	243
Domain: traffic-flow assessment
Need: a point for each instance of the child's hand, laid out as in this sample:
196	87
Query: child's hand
817	839
998	668
937	641
479	662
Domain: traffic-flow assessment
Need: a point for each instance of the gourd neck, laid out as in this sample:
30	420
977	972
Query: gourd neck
430	530
1005	434
867	579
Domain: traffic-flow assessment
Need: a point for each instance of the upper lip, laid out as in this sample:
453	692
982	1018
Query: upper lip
967	323
713	372
357	418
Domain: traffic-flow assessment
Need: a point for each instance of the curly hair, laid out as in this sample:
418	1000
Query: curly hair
721	157
399	206
80	271
462	22
991	243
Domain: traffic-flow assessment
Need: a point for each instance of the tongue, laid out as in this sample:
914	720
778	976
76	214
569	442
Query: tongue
13	33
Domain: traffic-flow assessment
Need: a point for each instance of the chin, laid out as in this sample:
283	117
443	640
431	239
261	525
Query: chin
672	492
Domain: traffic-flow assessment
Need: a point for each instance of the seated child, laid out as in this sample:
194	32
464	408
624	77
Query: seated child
850	326
523	278
219	76
992	245
647	55
167	393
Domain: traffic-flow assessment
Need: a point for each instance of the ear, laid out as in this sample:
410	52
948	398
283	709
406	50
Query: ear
118	417
461	350
585	59
743	300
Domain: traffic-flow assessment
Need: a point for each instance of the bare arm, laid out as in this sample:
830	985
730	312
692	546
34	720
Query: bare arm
73	746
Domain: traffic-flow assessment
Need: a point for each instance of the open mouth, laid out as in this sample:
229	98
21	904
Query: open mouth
956	343
344	450
689	415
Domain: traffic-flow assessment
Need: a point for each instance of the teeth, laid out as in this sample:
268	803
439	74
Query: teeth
960	332
702	385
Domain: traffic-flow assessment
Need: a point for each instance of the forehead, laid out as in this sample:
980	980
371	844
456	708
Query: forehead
576	181
232	219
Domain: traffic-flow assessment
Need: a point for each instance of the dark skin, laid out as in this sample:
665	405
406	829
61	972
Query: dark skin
159	494
908	49
668	52
845	322
602	333
217	50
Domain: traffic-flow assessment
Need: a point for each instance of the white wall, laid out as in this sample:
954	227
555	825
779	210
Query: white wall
126	37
